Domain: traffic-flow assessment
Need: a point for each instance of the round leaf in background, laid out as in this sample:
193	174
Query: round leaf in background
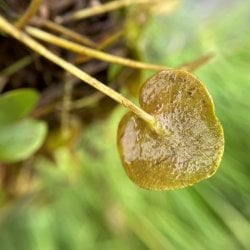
16	104
21	139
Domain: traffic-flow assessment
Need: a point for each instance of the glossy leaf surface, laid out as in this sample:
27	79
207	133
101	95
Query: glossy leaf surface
193	149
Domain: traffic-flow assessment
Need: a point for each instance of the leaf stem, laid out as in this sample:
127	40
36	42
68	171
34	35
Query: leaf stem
16	66
40	49
83	50
100	9
65	31
28	14
66	104
101	46
197	63
13	68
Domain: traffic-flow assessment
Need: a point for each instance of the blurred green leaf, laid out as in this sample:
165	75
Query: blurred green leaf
16	104
21	139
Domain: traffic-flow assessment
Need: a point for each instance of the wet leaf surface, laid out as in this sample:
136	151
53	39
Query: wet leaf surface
193	150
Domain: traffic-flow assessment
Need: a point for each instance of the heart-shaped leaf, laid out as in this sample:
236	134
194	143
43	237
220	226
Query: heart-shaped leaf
193	149
16	104
21	139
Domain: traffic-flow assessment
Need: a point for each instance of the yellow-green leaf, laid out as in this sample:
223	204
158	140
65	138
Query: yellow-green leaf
193	149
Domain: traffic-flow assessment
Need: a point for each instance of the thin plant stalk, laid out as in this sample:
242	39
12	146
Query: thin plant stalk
103	45
87	101
95	53
18	65
29	13
110	39
67	32
66	104
100	9
40	49
197	63
83	50
12	69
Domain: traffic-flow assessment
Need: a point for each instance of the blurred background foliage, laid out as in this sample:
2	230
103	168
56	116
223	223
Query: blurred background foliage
84	200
